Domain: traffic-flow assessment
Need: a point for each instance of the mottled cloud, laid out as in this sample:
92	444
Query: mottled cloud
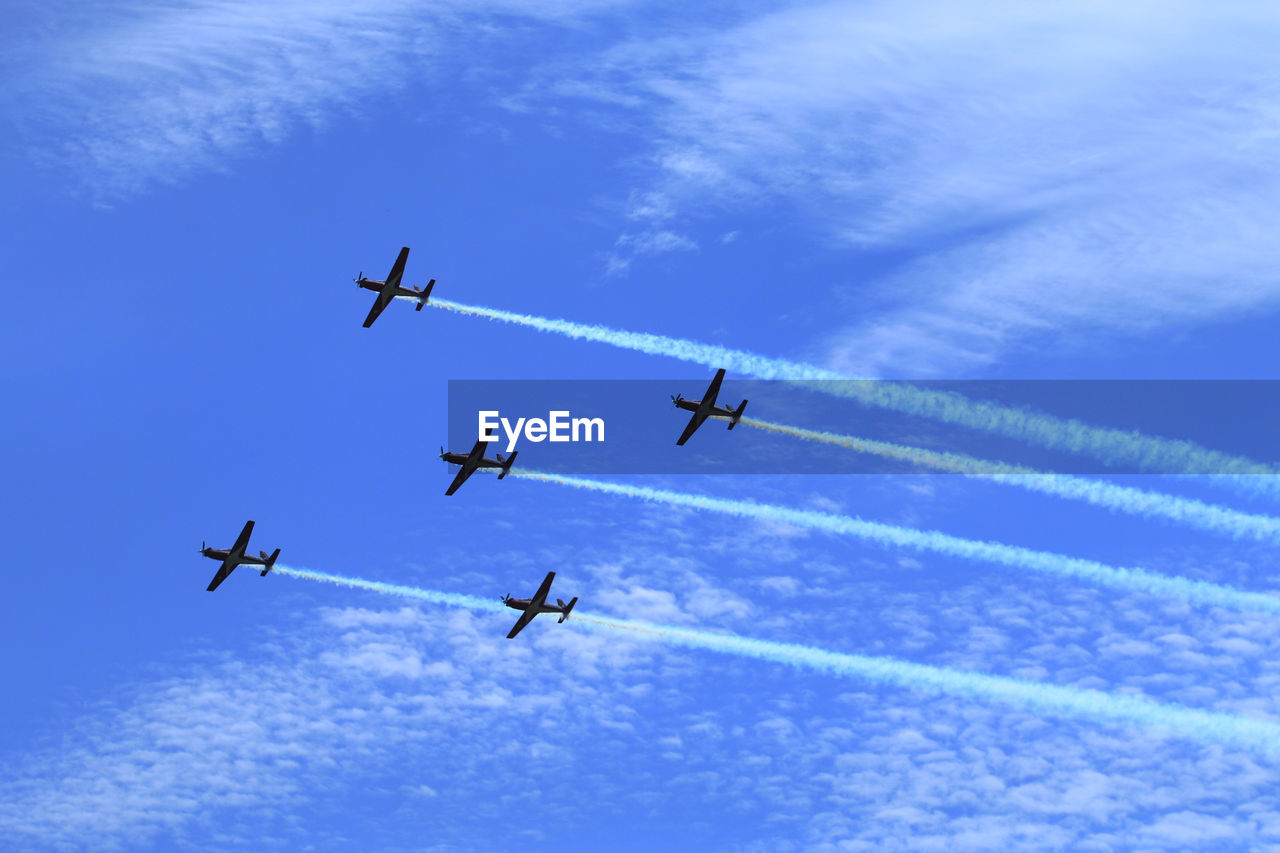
143	94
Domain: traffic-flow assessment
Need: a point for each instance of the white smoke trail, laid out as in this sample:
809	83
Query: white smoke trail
1112	446
1206	516
452	599
1073	702
1090	571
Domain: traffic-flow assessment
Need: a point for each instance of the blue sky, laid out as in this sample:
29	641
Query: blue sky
904	190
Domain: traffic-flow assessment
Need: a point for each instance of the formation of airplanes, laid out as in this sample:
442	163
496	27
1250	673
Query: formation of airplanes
468	463
236	556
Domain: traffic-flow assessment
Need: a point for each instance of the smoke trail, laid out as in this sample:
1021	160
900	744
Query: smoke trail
1239	525
1112	446
1073	702
1090	571
452	599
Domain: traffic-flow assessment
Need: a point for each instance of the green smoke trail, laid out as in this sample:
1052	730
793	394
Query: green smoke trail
1262	736
1112	446
1206	516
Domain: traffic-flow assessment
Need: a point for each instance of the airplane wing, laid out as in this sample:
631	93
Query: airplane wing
242	541
397	269
541	595
225	569
382	301
525	618
463	474
694	423
477	452
713	390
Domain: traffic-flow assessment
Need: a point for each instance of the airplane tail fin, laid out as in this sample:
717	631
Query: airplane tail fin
426	293
567	608
737	415
271	562
506	466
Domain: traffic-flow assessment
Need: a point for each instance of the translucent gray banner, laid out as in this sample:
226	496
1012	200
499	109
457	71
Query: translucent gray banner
875	427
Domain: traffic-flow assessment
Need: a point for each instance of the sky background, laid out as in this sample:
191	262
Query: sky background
905	190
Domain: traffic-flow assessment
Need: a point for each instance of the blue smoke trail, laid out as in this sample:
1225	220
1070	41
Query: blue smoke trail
1206	516
1073	702
1090	571
1112	446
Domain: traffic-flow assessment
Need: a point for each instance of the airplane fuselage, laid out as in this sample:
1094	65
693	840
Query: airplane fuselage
713	411
381	287
523	604
463	458
225	555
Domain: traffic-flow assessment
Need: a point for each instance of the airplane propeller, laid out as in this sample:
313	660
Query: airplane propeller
506	598
202	546
676	398
359	277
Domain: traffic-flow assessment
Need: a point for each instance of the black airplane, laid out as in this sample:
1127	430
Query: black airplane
538	604
237	557
707	408
390	289
473	460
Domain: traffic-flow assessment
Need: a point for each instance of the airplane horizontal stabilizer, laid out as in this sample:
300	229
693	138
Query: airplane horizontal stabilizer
569	607
271	562
426	293
737	415
506	466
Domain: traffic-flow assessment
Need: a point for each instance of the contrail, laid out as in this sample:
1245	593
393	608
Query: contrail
1073	702
452	599
1112	446
1206	516
1089	571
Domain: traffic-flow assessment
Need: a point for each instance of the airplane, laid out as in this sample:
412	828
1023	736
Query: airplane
390	289
538	604
707	408
237	557
473	460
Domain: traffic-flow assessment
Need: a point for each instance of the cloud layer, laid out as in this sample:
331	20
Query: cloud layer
1037	169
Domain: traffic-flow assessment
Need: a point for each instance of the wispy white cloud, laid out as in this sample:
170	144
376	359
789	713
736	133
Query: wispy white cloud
143	93
1046	172
652	242
1046	169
